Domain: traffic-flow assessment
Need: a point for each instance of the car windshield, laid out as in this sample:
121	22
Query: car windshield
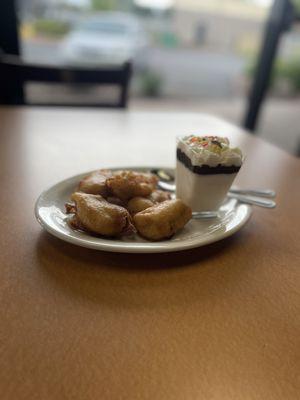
109	28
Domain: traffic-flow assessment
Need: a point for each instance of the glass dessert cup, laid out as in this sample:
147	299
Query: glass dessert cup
204	193
205	170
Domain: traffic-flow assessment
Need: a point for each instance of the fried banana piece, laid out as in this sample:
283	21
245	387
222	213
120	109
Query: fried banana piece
70	208
95	183
128	184
94	214
158	196
116	201
138	204
162	220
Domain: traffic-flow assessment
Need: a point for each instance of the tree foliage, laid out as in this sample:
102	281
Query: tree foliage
99	5
297	5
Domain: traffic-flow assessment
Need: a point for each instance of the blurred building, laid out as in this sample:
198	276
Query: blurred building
216	30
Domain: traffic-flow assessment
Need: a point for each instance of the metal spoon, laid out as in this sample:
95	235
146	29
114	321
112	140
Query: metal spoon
163	175
170	187
242	196
166	180
254	192
256	201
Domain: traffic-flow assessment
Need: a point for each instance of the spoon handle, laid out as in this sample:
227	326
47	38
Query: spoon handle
243	199
170	187
254	192
253	200
204	215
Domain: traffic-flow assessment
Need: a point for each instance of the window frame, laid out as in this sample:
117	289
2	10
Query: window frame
9	27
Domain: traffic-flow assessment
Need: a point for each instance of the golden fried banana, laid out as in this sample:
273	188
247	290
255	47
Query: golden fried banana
96	215
95	183
128	184
162	220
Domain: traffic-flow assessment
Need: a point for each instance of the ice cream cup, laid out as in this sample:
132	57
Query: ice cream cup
205	170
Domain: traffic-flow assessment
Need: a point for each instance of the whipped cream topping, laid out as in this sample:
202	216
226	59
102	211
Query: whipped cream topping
210	150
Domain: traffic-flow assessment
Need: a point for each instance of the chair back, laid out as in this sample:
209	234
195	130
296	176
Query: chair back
14	74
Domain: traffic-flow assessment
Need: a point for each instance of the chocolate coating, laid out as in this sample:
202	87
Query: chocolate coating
205	169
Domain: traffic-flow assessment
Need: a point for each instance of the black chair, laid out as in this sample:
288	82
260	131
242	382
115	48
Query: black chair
14	74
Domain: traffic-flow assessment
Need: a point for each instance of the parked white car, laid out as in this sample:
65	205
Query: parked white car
108	38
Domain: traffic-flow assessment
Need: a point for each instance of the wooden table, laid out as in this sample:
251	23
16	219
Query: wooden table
220	322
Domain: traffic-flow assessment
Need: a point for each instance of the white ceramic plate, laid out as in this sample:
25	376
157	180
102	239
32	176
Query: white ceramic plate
50	212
